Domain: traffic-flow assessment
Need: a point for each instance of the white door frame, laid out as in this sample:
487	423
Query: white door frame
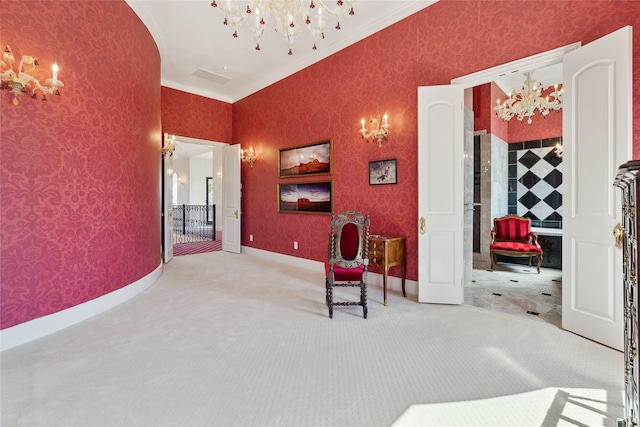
168	201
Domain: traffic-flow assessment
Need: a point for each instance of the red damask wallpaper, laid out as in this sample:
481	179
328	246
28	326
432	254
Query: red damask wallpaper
79	173
195	116
381	74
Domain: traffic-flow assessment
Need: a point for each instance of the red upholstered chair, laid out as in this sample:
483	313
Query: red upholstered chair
512	236
348	257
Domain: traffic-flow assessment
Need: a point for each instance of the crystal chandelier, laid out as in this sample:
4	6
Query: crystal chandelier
289	15
523	104
18	82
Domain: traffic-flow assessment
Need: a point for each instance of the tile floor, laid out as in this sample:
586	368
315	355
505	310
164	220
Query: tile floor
519	290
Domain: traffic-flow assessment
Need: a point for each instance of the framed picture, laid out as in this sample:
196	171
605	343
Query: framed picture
383	172
304	160
306	197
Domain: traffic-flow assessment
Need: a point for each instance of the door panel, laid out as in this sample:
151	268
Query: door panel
167	209
231	198
440	194
597	139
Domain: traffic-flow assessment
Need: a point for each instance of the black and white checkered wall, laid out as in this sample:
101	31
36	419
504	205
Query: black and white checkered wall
535	182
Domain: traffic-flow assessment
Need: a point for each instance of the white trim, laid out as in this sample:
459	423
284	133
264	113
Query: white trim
196	91
284	259
529	63
411	286
46	325
409	8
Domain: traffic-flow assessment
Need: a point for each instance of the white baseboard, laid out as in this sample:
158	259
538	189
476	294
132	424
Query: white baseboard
376	279
285	259
46	325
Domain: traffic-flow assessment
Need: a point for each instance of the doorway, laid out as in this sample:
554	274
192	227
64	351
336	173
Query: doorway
521	177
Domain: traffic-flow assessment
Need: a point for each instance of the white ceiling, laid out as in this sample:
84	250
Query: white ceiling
190	35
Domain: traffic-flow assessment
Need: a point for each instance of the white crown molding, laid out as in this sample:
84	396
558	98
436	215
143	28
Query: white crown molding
156	34
196	91
529	63
406	11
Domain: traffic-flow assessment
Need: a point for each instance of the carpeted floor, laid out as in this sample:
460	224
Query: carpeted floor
237	340
180	249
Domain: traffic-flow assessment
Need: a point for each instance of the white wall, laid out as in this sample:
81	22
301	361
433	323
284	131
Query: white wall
199	169
499	177
217	185
181	167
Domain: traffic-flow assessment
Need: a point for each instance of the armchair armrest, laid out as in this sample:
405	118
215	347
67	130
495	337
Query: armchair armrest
533	237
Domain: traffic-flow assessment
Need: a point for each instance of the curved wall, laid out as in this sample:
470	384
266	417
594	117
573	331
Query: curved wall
79	174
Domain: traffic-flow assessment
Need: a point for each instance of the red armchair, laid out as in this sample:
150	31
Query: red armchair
511	236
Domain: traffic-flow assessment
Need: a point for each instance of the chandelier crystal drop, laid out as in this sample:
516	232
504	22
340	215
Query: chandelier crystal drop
523	104
289	17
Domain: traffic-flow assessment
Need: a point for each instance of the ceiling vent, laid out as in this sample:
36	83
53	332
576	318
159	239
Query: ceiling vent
210	75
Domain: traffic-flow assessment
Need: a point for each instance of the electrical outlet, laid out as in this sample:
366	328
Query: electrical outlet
251	237
295	245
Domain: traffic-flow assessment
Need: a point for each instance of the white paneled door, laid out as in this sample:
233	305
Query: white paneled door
231	198
440	194
597	139
167	211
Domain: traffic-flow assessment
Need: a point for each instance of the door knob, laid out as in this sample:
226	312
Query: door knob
236	213
422	225
618	232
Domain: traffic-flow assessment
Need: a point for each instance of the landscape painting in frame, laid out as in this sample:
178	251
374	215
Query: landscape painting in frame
311	159
306	197
382	172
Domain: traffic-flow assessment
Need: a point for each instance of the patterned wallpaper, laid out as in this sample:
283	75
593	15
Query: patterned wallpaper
78	173
381	74
195	116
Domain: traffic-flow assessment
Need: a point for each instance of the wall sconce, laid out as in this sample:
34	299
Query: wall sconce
379	130
169	145
248	156
18	83
559	150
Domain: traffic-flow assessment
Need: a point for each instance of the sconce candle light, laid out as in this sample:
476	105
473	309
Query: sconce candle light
248	156
379	130
169	145
559	150
19	82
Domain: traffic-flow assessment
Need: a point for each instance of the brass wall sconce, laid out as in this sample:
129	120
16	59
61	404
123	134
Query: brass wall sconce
169	145
248	156
22	81
379	130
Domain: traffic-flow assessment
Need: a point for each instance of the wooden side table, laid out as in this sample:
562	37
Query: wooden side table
386	252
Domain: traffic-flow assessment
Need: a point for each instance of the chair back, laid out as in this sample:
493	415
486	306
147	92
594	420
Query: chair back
349	241
512	228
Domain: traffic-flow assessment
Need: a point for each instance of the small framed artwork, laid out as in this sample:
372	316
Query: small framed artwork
305	160
383	172
306	197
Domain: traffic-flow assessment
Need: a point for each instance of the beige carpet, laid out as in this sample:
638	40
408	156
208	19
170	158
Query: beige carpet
235	340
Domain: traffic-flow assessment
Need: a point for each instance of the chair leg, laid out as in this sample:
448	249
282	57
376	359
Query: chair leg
539	262
329	298
492	255
363	299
